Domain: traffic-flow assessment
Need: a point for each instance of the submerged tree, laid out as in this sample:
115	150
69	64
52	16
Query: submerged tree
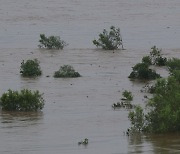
30	68
137	119
51	42
25	100
163	108
109	40
142	71
173	64
156	57
66	71
127	95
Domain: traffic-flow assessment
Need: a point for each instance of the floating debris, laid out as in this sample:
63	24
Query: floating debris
84	142
123	104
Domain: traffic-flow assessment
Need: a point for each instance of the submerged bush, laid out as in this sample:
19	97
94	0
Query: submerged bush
123	104
176	74
125	101
66	71
109	40
137	119
30	68
173	64
161	61
51	42
142	71
147	60
163	108
127	95
25	100
156	57
164	115
148	88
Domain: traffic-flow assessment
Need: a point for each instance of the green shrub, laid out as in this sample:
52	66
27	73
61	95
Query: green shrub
125	101
142	71
176	75
109	40
155	52
66	71
25	100
51	42
137	119
173	64
30	68
160	61
147	60
163	108
156	57
149	88
127	95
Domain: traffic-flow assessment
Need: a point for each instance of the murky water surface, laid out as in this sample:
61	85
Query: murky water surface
81	108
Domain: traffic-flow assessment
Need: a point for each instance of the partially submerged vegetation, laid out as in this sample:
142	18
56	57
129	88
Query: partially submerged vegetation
30	68
111	40
163	109
25	100
137	119
123	104
84	142
127	95
156	57
66	71
143	72
51	42
125	101
173	64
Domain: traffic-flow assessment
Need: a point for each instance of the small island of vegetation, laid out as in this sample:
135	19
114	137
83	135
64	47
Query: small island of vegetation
25	100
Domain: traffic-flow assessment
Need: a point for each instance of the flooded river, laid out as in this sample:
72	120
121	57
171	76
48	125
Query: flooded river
81	108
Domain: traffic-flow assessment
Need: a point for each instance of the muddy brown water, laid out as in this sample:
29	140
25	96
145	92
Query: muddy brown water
81	108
